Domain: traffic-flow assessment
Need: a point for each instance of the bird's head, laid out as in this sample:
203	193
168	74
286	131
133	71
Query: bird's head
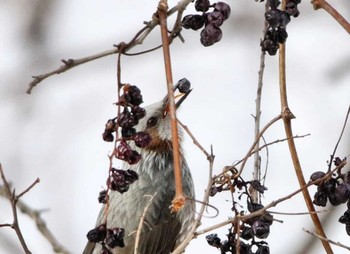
157	124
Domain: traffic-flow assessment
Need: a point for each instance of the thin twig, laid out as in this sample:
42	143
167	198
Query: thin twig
262	211
340	137
328	240
143	217
287	116
333	12
195	141
140	36
13	200
39	222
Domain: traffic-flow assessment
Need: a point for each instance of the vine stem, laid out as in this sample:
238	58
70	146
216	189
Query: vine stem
287	116
179	199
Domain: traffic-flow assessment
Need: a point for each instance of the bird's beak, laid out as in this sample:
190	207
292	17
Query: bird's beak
179	99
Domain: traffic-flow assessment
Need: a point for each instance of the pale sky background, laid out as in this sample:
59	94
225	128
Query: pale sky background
55	133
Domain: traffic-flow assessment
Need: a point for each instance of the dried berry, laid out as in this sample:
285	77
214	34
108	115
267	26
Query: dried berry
215	18
103	197
210	35
193	21
184	85
115	237
261	229
345	218
126	119
116	181
223	8
130	176
320	198
317	175
263	249
142	139
202	5
97	234
138	112
132	95
107	136
213	240
123	151
134	158
128	132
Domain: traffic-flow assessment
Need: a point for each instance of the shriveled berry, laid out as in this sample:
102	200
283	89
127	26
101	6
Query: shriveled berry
317	175
341	193
103	197
184	85
123	151
281	34
345	218
210	35
247	233
115	237
193	21
138	112
107	136
320	198
116	181
213	240
328	187
127	120
97	234
261	229
132	94
202	5
273	3
223	8
142	139
130	176
215	18
134	158
128	132
263	249
292	9
271	17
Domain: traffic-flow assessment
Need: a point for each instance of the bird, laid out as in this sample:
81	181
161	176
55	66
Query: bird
162	231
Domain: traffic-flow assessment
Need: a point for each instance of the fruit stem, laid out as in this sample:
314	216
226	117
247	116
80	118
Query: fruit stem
179	199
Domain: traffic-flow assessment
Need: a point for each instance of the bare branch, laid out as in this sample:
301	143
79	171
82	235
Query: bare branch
328	240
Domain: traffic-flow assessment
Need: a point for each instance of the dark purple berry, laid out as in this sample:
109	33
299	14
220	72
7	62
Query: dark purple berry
128	132
116	181
269	46
261	229
123	151
110	125
202	5
130	176
281	35
263	249
103	197
193	21
345	218
142	139
134	158
273	3
223	8
127	120
292	9
213	240
317	175
97	234
210	35
341	193
215	18
107	136
132	95
347	229
320	198
271	17
328	187
138	112
115	237
283	19
184	85
247	233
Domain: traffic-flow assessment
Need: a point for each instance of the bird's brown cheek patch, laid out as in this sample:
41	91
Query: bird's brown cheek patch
157	144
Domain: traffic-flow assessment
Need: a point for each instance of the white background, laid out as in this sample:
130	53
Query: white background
55	133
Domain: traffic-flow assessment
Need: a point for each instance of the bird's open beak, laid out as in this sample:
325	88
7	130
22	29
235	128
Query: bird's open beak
179	99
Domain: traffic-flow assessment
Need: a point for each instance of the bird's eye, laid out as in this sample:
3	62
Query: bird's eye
152	122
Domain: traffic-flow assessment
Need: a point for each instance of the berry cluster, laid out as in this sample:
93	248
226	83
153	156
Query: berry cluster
250	230
335	189
118	179
130	100
277	22
211	21
108	237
